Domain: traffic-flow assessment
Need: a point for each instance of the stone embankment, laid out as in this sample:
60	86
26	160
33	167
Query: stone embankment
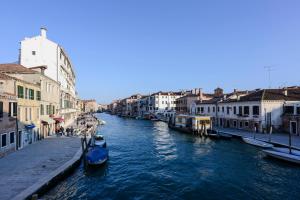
35	168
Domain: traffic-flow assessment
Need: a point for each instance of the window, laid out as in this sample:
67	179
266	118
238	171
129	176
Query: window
223	109
3	140
240	110
11	137
26	114
31	94
33	53
20	92
246	124
214	109
12	110
255	110
202	109
228	110
1	109
208	109
198	110
234	110
241	124
30	114
38	95
246	110
42	109
234	124
289	109
298	110
218	108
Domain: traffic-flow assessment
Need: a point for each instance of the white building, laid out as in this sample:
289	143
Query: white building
40	51
259	110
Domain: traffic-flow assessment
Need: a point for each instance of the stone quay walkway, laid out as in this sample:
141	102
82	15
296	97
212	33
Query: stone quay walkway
276	138
24	171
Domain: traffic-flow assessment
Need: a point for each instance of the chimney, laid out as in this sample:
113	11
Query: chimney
200	94
44	32
235	91
285	92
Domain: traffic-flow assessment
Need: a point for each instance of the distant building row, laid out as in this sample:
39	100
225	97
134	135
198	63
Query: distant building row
261	110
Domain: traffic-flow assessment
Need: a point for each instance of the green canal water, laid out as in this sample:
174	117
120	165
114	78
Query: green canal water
149	161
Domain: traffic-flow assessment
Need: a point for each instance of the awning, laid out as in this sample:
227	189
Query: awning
58	119
30	126
47	120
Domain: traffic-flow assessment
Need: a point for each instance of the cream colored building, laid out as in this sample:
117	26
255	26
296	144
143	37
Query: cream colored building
28	99
48	96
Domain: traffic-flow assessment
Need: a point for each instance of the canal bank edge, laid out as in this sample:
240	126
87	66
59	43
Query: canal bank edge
52	179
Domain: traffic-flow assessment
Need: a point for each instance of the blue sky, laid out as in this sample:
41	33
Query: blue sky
124	47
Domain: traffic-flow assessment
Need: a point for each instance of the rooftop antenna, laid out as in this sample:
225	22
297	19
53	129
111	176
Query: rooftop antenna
269	70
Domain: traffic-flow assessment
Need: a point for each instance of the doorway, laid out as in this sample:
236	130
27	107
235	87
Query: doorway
293	127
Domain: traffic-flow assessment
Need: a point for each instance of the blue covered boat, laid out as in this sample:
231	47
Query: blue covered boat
97	155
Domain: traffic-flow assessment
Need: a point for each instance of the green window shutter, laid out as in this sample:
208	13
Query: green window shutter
20	92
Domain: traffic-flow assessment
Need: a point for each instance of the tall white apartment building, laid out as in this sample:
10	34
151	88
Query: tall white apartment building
40	51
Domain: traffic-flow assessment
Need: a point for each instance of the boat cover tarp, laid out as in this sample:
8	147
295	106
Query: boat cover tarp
30	126
96	154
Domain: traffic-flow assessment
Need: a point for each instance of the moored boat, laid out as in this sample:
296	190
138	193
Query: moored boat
97	155
284	155
214	135
224	135
101	122
257	143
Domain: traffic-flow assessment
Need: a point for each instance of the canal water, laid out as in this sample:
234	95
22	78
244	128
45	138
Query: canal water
149	161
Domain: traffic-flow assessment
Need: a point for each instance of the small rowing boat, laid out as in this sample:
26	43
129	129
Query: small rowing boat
283	154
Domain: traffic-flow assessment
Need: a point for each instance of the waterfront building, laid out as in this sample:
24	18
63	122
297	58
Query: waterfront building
128	106
112	108
184	103
142	105
163	104
291	117
102	107
40	51
90	105
8	114
261	110
192	123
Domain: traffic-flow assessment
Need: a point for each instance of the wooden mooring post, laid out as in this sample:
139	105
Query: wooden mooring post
84	146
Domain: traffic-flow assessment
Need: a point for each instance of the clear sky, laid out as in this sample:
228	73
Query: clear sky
124	47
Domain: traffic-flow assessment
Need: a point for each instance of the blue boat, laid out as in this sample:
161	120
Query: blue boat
97	155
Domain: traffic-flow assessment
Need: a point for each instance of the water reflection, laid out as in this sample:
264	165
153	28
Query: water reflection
163	141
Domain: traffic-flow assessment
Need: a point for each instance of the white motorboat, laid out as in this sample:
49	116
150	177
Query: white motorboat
102	122
257	143
99	141
284	154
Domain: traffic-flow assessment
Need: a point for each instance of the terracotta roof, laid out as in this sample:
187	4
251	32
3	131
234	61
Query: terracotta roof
293	94
5	77
15	68
210	101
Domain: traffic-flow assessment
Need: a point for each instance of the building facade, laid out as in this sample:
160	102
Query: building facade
40	51
8	115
